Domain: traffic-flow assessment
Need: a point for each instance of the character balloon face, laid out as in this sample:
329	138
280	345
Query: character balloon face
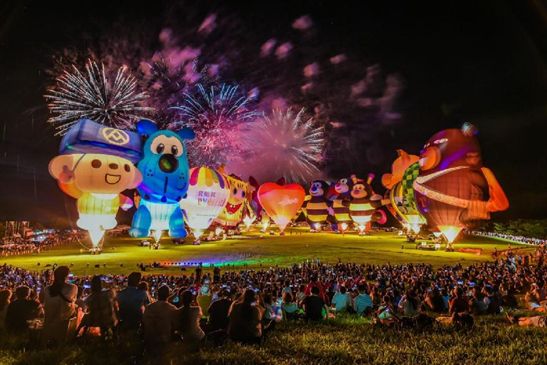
398	168
318	188
165	163
95	173
451	148
238	194
342	186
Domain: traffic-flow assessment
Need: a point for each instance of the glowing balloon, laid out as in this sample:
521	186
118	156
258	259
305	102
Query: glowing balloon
207	195
95	167
165	181
232	214
453	189
281	203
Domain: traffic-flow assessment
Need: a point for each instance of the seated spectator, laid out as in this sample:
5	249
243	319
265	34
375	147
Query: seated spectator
131	303
160	319
101	307
289	309
386	312
266	302
204	299
457	303
315	308
493	300
190	316
341	301
522	321
534	298
477	303
434	301
5	296
362	303
59	306
245	319
22	310
409	304
218	312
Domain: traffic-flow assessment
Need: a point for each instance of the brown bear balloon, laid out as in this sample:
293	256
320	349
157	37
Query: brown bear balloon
453	189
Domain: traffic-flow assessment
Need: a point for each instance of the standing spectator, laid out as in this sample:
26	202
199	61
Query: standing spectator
101	307
362	304
314	306
245	319
131	302
59	306
5	296
341	301
190	316
160	319
22	310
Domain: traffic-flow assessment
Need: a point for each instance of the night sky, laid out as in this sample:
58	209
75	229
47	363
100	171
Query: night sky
476	61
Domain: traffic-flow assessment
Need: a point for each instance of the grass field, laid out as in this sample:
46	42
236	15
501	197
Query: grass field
344	340
252	250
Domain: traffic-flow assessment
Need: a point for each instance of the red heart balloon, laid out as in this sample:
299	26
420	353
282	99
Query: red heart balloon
281	202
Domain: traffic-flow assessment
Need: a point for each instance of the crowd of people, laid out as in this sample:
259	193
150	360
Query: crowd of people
245	305
511	237
13	246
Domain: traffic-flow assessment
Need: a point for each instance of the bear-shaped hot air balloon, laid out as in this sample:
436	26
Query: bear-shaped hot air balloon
164	167
364	204
453	189
317	207
95	167
340	195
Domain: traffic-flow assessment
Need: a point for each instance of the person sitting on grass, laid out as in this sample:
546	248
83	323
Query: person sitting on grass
534	298
434	301
362	303
386	312
315	308
101	308
478	303
523	321
131	303
341	301
409	304
160	319
458	309
22	310
218	312
289	309
245	319
59	306
5	296
190	316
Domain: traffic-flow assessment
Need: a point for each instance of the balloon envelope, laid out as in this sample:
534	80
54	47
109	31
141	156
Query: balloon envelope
281	203
206	197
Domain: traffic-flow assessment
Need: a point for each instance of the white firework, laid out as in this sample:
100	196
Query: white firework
90	94
282	144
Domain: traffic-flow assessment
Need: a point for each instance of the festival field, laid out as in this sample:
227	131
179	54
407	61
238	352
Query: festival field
253	250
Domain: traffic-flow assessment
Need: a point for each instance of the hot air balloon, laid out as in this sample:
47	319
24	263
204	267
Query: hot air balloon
399	182
95	166
281	202
165	169
207	195
232	214
453	190
364	204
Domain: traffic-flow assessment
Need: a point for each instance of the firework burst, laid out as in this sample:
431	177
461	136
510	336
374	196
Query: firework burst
90	94
282	144
215	114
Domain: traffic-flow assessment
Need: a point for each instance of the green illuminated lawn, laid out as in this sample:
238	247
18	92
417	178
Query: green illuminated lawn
253	251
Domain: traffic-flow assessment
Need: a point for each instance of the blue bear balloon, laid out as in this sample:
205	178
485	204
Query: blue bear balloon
164	168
